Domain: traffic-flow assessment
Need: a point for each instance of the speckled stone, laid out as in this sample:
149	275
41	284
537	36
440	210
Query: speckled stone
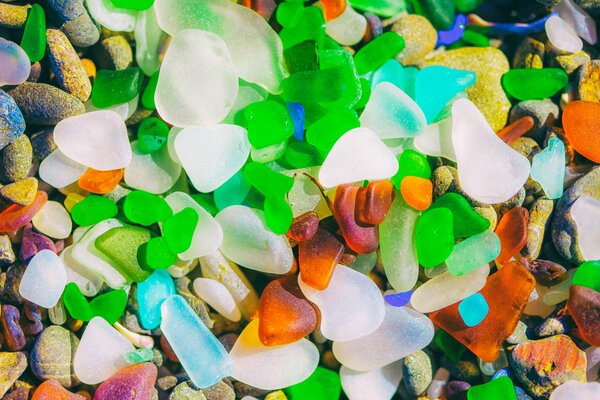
592	6
584	307
588	81
243	389
464	370
7	254
420	37
276	395
52	355
543	112
220	391
76	22
44	104
551	327
539	217
569	62
417	372
10	288
13	16
12	365
529	54
519	335
564	228
43	144
526	146
12	124
134	382
546	273
67	66
21	192
488	64
114	53
456	390
15	160
515	201
184	391
542	365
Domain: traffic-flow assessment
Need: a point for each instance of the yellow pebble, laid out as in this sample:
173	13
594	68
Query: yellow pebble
277	395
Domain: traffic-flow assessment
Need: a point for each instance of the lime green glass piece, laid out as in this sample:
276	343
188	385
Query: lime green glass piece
278	214
588	275
76	303
179	230
34	35
411	163
323	384
152	135
466	6
301	155
145	208
313	87
349	81
451	347
133	4
473	252
267	181
311	26
156	254
206	200
466	222
385	8
115	87
365	94
441	13
148	94
268	122
289	13
232	192
93	209
120	245
375	53
496	389
534	83
324	132
475	38
303	56
139	356
434	237
109	306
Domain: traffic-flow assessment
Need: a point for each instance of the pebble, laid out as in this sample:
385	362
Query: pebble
588	87
116	53
21	192
16	65
12	124
33	242
488	64
43	144
43	104
67	66
53	220
584	307
155	173
417	372
576	390
569	62
216	295
76	22
12	365
529	54
52	356
7	255
135	382
13	16
15	160
562	36
60	171
52	390
530	361
539	221
380	383
543	112
221	391
44	279
420	37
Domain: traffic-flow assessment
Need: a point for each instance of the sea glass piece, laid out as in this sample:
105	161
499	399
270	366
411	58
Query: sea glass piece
436	140
488	169
156	254
588	275
200	353
362	300
97	140
15	216
116	87
433	236
310	26
575	389
255	48
232	192
267	181
15	63
441	13
155	172
465	221
375	53
402	332
44	279
198	81
269	367
361	239
318	257
34	35
473	309
53	220
473	252
548	168
145	208
53	390
59	170
268	122
179	229
120	246
570	12
148	38
212	154
417	192
139	5
93	209
285	315
581	126
323	384
325	132
585	211
111	17
216	295
507	293
392	114
385	8
512	232
100	353
150	295
100	182
500	388
534	83
562	36
348	28
248	242
411	163
152	135
380	383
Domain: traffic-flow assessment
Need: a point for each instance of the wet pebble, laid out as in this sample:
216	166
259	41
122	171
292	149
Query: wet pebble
15	160
529	54
43	104
114	53
52	356
14	337
135	382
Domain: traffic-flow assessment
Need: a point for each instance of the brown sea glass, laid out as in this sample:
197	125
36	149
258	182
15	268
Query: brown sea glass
373	202
506	292
512	231
362	240
52	390
304	226
584	307
516	129
318	257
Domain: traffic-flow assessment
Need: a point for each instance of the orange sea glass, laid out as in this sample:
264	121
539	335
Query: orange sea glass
100	182
318	257
417	192
512	231
52	390
15	216
362	240
516	129
284	314
333	8
507	293
373	202
304	226
581	125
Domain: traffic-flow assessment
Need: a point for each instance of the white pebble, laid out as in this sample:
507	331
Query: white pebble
562	36
348	28
218	297
53	220
586	214
578	19
377	384
155	172
59	171
113	18
44	279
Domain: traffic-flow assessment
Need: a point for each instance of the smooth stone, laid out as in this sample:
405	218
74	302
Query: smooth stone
21	192
585	212
198	82
269	367
216	295
403	332
12	124
155	172
427	298
150	295
256	50
114	18
208	234
59	171
76	22
200	353
15	63
417	372
33	242
420	37
390	113
100	353
542	112
247	241
377	384
473	309
15	160
53	220
52	390
349	293
576	390
97	140
548	168
43	104
584	305
12	365
135	382
44	279
562	36
492	175
52	356
212	154
358	155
